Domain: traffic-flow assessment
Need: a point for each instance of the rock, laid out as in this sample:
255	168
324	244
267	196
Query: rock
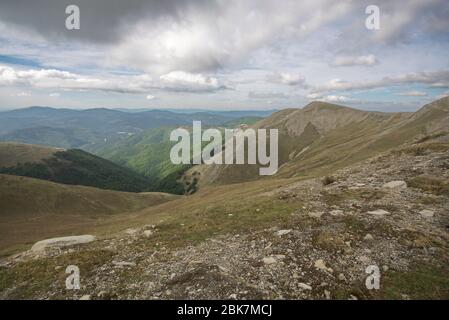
269	260
320	265
378	212
327	294
233	296
102	294
364	259
281	233
398	184
315	214
341	277
131	231
148	233
304	286
123	264
426	213
368	237
61	242
85	297
336	212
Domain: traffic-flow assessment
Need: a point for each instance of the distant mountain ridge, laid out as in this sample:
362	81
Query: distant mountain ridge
68	128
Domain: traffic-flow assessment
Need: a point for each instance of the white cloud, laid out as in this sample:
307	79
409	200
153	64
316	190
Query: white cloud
329	98
22	94
150	97
55	94
56	79
267	95
346	61
429	78
413	94
287	78
184	81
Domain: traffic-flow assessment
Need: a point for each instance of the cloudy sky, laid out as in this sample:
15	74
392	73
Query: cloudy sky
223	54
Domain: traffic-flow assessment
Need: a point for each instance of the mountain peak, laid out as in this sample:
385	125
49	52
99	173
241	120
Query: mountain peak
321	105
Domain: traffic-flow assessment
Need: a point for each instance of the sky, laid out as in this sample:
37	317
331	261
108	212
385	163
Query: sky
223	54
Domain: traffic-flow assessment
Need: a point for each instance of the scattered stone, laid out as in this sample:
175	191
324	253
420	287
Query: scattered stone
341	277
123	264
398	184
233	296
281	233
364	259
148	233
269	260
427	213
315	214
368	237
304	286
320	265
85	297
131	231
61	242
336	212
378	212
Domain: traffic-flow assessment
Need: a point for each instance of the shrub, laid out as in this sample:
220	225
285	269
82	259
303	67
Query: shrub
328	180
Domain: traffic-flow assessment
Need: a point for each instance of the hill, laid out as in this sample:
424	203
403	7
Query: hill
32	208
322	137
73	166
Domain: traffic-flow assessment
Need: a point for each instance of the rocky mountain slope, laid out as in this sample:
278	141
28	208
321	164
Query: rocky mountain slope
323	137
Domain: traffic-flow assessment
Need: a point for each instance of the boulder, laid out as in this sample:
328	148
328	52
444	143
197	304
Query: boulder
62	242
426	213
269	260
281	233
378	212
397	184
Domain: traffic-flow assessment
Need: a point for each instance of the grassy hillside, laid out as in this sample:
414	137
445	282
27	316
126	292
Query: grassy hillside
72	166
11	154
31	209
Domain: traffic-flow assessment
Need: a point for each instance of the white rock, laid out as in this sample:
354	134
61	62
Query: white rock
233	296
426	213
281	233
336	212
62	242
148	233
85	297
368	237
398	184
320	265
327	294
304	286
315	214
123	264
131	231
378	212
269	260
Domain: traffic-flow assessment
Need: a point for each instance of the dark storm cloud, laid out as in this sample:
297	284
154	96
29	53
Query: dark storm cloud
101	20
